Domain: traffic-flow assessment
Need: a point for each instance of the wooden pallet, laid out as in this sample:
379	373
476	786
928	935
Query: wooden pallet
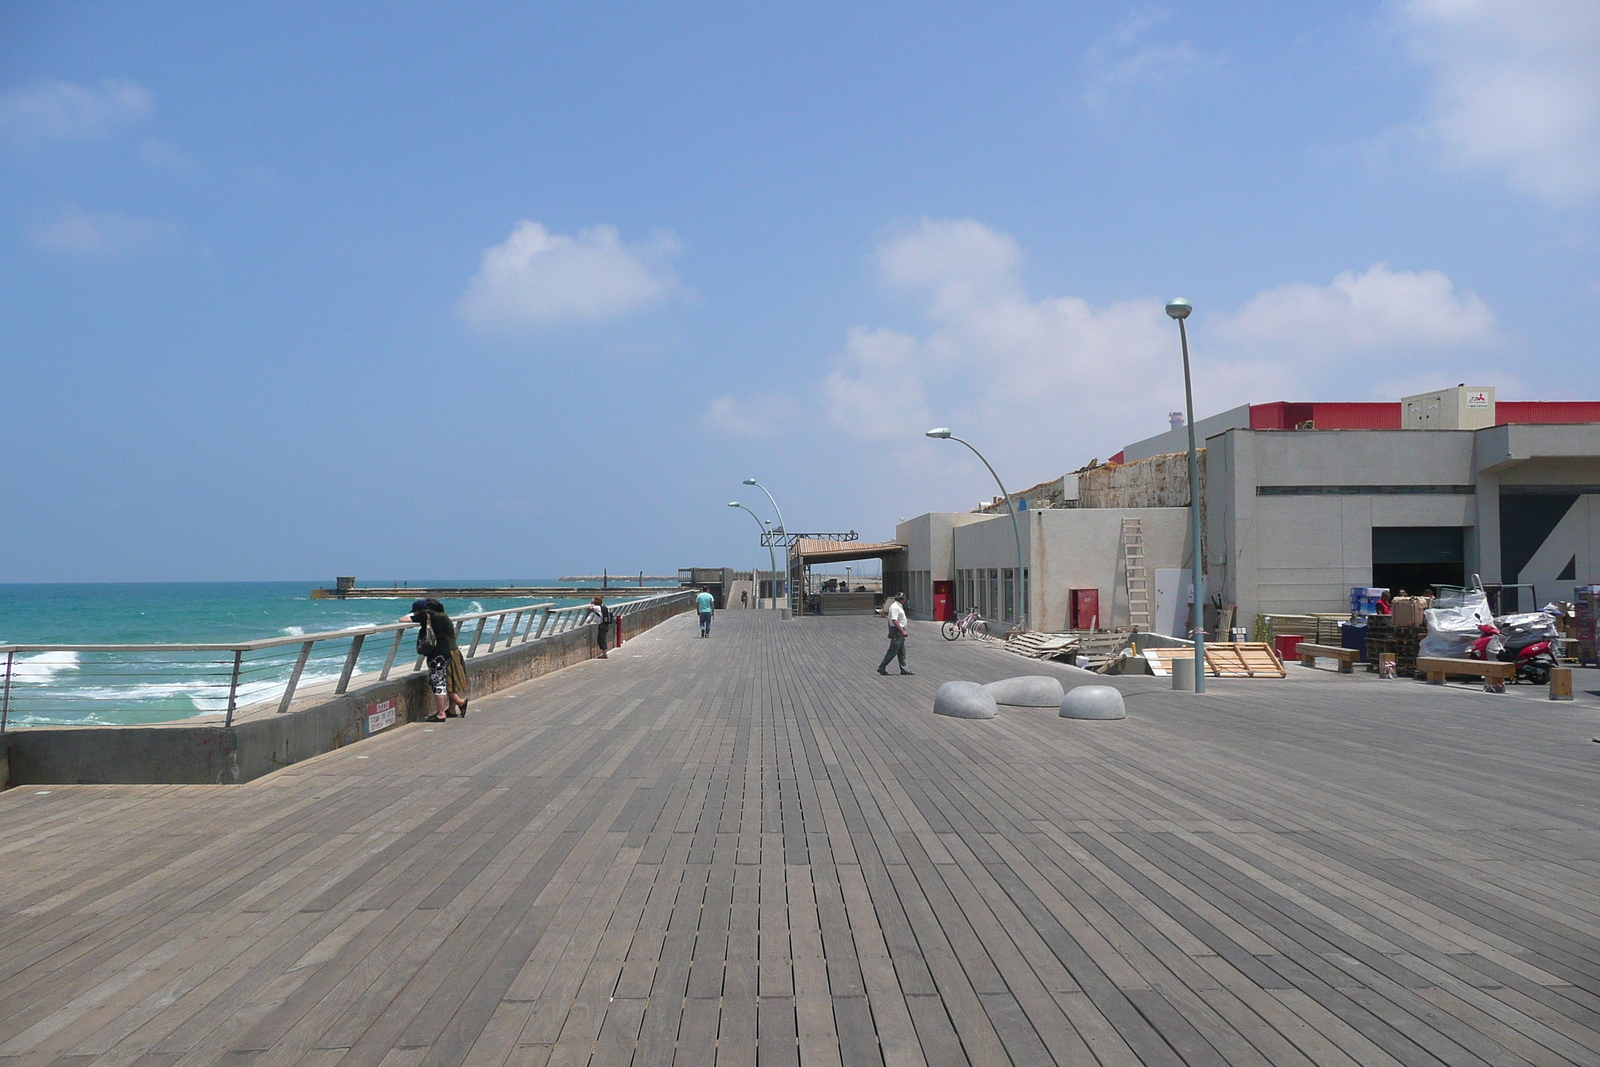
1243	660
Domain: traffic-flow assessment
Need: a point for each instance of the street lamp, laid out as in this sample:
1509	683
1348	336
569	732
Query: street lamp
771	559
943	434
781	529
1179	308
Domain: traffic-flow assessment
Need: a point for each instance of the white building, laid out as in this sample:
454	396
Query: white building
1300	502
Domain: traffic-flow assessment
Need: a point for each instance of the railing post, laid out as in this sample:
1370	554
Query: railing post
233	686
350	663
5	702
477	636
294	679
394	650
544	618
498	623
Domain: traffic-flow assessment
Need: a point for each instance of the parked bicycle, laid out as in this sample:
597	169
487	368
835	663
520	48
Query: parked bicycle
968	625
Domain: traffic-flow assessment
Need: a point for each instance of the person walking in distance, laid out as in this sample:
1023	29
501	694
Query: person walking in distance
703	604
897	635
601	616
447	671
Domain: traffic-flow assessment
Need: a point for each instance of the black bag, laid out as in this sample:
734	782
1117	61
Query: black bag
427	640
605	615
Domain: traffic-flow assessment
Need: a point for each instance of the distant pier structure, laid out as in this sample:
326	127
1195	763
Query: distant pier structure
345	588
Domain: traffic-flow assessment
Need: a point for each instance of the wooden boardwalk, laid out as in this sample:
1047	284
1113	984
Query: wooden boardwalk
752	849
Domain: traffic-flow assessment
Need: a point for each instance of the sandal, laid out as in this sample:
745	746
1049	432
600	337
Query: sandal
463	711
435	718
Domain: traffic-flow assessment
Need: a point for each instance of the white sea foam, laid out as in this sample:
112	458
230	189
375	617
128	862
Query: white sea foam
474	608
294	631
40	669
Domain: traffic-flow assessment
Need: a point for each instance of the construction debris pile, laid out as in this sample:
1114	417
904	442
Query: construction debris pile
1096	650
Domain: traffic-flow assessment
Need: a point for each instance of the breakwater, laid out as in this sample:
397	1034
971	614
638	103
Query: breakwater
245	748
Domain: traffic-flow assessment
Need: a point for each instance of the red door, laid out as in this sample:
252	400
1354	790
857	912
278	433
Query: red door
1086	609
944	601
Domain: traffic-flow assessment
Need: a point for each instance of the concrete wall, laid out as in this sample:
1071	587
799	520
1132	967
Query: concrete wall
1302	553
1178	440
1074	548
929	545
211	754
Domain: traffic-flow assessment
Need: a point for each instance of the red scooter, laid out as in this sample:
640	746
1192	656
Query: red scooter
1533	655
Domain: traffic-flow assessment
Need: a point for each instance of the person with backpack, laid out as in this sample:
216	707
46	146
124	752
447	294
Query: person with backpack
599	613
436	644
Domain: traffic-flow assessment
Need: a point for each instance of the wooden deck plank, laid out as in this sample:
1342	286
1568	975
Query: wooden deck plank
755	850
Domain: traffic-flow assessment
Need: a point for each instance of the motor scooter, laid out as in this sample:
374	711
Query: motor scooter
1532	654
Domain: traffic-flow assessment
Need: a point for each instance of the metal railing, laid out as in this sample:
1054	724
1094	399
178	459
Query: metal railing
72	684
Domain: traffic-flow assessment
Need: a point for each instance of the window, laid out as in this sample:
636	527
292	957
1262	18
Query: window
1025	608
1009	598
994	594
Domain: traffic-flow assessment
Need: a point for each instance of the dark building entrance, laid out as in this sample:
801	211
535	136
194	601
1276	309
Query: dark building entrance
1416	557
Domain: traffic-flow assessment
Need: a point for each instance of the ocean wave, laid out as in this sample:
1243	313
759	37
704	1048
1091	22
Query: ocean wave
294	631
474	608
40	669
205	696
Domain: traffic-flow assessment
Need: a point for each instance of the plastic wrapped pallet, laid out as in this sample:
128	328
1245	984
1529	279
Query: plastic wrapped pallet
1453	626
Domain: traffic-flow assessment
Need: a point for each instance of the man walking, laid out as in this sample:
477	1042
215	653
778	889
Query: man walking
897	634
703	604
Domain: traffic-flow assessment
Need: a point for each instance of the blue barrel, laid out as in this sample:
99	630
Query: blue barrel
1354	635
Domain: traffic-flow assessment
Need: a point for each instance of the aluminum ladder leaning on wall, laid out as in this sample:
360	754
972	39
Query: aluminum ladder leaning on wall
1137	576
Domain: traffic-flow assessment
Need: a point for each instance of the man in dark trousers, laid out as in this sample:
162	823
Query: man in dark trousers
897	635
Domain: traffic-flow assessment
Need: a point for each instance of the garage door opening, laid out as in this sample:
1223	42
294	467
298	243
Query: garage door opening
1415	558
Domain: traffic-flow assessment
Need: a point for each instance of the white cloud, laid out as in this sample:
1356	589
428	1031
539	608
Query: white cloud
1516	87
1379	310
1126	62
64	111
1048	383
101	236
760	415
536	277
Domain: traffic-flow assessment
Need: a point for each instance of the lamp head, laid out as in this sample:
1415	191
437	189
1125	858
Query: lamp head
735	504
1179	308
941	432
750	481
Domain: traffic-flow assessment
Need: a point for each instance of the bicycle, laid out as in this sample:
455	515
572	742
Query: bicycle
969	625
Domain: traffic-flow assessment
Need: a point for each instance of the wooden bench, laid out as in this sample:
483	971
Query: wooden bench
1493	671
1310	653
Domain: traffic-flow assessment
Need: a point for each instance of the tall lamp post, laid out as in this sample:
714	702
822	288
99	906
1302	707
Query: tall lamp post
771	559
1179	309
943	434
781	529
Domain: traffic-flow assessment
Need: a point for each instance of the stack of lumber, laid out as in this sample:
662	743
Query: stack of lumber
1241	660
1043	646
1100	648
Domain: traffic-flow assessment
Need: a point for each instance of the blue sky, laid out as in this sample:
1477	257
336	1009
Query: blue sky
475	290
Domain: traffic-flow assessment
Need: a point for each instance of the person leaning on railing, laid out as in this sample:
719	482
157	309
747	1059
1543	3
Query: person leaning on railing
447	671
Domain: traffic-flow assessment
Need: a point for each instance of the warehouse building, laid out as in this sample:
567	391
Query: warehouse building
1300	502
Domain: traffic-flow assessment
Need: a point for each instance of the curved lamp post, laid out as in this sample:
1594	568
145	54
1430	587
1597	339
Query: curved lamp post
1179	308
943	434
781	529
773	560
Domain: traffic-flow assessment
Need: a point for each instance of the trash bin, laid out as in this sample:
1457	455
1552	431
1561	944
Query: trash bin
1286	645
1354	635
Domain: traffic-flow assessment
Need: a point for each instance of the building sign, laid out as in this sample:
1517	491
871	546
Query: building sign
379	716
1478	399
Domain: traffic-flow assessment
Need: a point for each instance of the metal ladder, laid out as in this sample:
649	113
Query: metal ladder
1137	576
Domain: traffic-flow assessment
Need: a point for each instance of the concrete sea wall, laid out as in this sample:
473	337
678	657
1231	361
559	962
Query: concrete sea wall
211	754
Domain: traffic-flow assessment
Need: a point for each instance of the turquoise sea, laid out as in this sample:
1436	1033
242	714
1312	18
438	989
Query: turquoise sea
69	687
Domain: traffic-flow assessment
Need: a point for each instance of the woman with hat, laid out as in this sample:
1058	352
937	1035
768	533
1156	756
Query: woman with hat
447	671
